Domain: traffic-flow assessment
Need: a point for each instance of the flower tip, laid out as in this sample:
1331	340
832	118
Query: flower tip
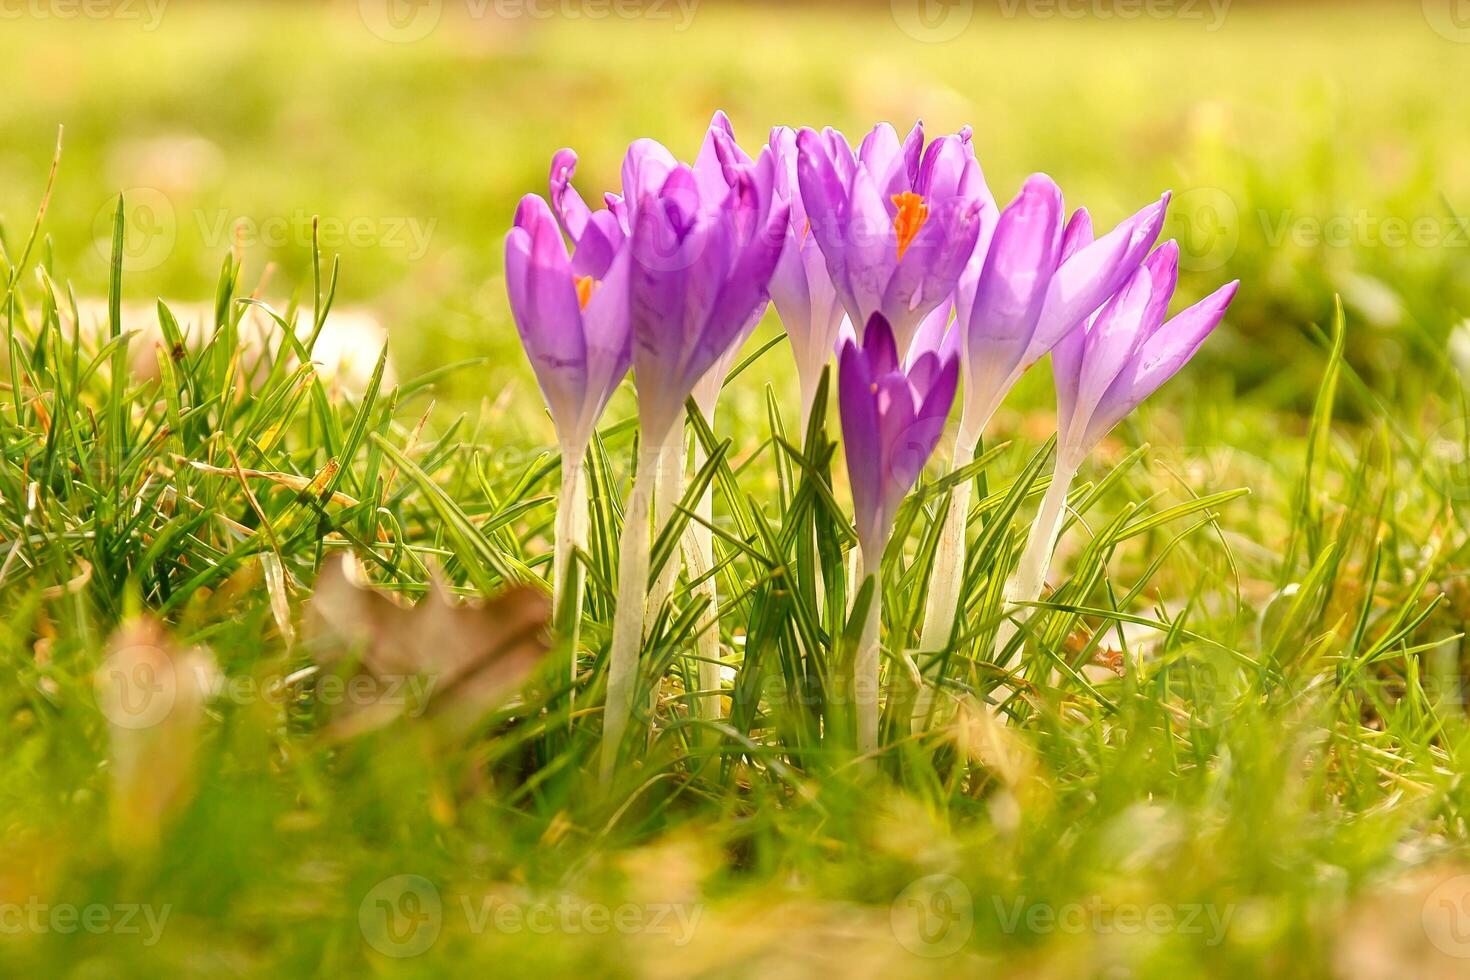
1040	185
563	163
529	209
877	322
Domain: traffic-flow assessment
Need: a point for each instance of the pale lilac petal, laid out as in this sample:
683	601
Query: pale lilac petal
868	254
1163	270
1078	234
1113	339
883	156
645	167
930	269
572	212
1092	274
1160	358
1018	273
543	304
859	413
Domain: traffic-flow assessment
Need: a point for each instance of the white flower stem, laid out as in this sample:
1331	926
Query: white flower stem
1030	577
947	575
699	554
670	491
571	534
627	638
866	663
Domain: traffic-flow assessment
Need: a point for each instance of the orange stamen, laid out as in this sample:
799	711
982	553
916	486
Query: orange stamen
586	286
913	211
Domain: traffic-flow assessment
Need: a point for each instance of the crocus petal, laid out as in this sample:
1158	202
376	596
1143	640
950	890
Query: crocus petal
1078	234
543	303
601	240
718	148
1093	273
883	156
948	164
1112	339
879	345
1163	270
1159	359
646	166
742	297
896	413
1017	275
859	413
926	275
571	211
869	253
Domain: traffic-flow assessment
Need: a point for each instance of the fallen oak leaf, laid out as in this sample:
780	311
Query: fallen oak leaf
450	661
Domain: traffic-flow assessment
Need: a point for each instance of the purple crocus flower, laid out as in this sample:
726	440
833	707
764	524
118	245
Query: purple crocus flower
896	222
702	250
572	315
1103	369
1036	283
801	288
892	419
571	310
1106	367
700	271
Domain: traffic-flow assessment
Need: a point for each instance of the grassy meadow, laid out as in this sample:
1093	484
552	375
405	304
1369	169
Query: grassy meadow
1233	741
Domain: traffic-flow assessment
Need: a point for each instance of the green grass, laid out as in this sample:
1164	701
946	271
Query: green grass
1270	782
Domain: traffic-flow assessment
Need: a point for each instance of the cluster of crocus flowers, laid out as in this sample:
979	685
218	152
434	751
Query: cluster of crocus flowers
894	257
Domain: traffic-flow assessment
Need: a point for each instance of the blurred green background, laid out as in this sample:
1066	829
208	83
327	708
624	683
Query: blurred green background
1309	146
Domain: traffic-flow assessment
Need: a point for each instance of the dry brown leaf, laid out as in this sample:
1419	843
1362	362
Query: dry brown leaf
449	660
153	694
